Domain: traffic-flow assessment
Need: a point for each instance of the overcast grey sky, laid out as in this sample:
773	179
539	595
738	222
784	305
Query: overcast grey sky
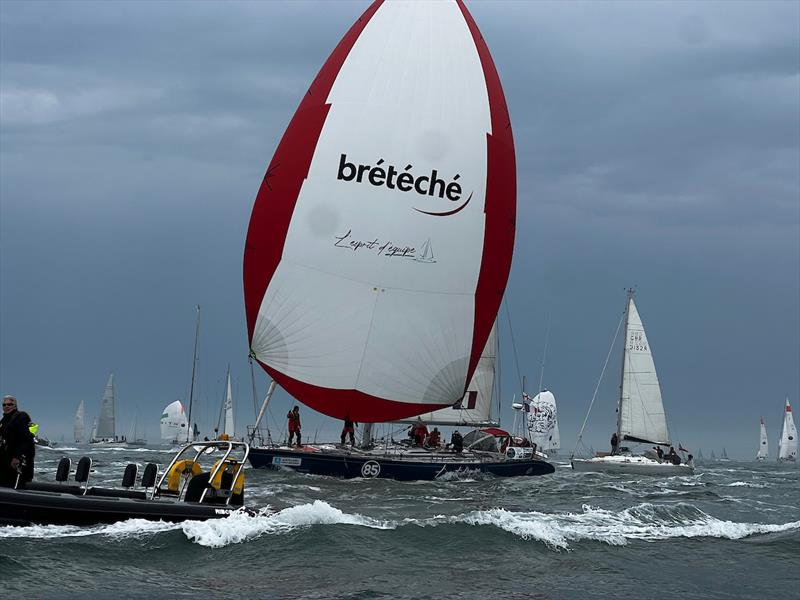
658	146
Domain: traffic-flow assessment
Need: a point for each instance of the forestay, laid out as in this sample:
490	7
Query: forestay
381	238
641	412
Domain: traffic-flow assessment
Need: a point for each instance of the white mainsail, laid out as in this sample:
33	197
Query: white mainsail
475	408
174	422
641	411
787	447
542	420
763	444
80	425
228	409
105	425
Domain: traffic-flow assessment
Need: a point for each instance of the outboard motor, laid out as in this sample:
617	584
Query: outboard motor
82	472
129	476
62	472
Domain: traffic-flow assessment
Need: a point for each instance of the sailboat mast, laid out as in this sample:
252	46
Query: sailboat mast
624	358
194	369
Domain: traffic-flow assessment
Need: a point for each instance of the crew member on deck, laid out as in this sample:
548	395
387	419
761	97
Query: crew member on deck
294	425
17	448
614	443
420	432
435	438
349	429
457	442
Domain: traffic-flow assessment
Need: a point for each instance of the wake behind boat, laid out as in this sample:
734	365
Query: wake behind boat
194	486
640	412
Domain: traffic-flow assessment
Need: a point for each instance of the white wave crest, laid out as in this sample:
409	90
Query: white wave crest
643	522
123	529
747	484
240	526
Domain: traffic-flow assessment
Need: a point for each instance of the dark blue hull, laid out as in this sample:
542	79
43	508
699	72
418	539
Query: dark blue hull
347	465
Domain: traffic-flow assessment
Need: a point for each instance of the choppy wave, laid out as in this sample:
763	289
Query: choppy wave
747	484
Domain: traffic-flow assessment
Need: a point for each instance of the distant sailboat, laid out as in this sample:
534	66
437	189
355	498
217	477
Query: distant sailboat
134	441
174	424
713	457
106	428
226	413
542	421
787	447
700	456
640	411
80	425
724	456
763	445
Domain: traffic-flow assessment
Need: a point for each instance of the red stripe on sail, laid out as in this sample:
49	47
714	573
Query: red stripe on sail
500	206
338	404
277	196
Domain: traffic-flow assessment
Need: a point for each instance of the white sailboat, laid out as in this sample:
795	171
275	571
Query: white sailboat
542	421
174	424
763	444
105	433
80	425
134	440
380	242
787	447
226	413
724	456
641	418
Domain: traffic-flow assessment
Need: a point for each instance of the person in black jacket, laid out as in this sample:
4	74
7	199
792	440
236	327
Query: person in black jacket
17	448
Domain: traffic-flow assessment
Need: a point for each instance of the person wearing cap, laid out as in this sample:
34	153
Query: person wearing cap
17	447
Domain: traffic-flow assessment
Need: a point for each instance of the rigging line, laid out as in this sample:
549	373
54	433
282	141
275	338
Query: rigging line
513	343
597	387
544	356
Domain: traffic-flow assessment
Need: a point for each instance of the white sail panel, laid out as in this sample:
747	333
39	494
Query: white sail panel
641	411
376	290
542	420
174	424
228	409
80	424
106	427
787	448
475	407
763	442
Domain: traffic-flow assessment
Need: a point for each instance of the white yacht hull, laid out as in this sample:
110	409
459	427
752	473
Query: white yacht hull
638	465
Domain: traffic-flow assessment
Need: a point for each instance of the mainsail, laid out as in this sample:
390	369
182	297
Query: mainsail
641	412
228	409
80	425
475	407
787	448
763	444
105	424
174	422
402	145
542	420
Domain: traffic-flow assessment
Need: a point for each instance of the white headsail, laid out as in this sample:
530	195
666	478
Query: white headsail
174	422
228	409
542	420
106	427
763	443
80	425
641	412
787	448
475	408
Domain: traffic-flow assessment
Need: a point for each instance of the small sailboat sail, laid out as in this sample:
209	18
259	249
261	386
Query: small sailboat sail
542	420
227	410
80	424
94	429
640	410
724	456
174	423
763	443
106	427
787	447
713	456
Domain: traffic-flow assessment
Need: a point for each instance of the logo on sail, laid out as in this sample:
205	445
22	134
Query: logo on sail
404	180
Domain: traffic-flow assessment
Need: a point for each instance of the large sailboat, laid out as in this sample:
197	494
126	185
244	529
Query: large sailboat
787	447
104	434
402	144
174	424
79	427
641	418
763	443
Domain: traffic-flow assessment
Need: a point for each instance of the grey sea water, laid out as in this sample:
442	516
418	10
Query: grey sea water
732	530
